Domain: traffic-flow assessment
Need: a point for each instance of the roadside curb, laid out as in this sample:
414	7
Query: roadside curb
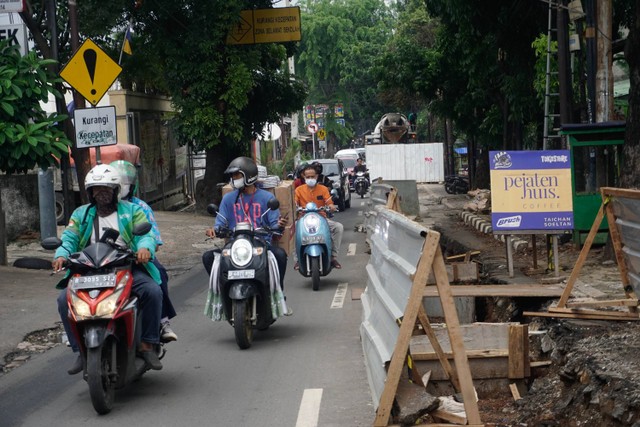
484	226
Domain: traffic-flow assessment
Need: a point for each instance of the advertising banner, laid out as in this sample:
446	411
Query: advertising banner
531	191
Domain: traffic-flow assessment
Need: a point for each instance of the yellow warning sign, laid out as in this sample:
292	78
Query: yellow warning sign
280	24
321	134
91	72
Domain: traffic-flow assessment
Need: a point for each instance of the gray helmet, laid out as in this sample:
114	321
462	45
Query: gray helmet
246	167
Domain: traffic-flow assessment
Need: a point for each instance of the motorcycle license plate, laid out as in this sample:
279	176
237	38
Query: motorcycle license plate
94	282
241	274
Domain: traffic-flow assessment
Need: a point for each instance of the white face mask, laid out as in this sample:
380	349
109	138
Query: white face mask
311	182
238	184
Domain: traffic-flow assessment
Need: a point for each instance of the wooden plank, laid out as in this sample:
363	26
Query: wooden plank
491	368
514	391
459	272
582	257
528	290
356	294
471	354
429	250
435	344
604	303
603	313
476	336
455	337
465	255
517	336
448	416
620	192
540	363
578	316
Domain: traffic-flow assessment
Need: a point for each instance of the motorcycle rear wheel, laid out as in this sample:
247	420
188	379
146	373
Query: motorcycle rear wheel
242	323
101	384
450	188
315	273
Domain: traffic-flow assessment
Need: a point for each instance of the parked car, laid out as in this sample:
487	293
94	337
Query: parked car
335	170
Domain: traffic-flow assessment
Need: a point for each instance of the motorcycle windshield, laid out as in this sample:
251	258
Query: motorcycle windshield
98	255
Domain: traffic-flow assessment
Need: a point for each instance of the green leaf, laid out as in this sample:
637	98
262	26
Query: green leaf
7	108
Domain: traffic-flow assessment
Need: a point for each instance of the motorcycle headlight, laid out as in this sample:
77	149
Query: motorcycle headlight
241	252
80	308
311	223
108	305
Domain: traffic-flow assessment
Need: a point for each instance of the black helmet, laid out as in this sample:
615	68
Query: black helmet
318	167
246	167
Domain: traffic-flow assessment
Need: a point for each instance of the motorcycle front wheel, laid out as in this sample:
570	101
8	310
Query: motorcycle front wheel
242	323
99	376
450	188
315	273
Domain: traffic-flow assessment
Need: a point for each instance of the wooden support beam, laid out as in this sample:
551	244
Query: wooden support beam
439	354
585	316
518	351
414	303
607	314
515	291
582	257
604	303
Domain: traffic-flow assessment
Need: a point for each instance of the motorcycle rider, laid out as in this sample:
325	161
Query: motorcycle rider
246	203
359	167
86	226
324	180
129	187
319	194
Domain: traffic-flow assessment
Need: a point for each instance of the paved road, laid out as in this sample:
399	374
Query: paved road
304	368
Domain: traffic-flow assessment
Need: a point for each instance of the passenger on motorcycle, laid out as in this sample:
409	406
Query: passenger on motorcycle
105	210
129	184
319	194
246	203
324	180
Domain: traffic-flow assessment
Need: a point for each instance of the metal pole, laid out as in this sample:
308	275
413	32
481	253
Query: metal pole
3	235
46	199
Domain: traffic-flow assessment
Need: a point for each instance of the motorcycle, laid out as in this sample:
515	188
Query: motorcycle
104	314
361	183
456	184
313	243
244	286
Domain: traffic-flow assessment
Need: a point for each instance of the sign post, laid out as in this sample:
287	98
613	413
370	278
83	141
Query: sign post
313	128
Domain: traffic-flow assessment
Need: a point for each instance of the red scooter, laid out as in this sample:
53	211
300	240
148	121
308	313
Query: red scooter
104	314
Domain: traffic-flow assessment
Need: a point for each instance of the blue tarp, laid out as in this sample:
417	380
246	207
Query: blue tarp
461	150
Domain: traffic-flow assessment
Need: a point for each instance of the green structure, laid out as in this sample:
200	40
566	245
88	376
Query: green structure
596	159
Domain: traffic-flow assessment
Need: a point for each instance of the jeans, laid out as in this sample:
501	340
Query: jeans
167	307
149	303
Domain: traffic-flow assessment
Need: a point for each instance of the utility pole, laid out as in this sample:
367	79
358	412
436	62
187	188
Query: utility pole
604	74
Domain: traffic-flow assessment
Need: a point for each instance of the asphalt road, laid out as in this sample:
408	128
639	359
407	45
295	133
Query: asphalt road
306	370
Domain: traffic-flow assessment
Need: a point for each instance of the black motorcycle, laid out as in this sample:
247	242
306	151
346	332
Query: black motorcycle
361	183
242	279
456	184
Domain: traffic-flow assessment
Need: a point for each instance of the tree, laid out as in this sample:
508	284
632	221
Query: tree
341	41
29	136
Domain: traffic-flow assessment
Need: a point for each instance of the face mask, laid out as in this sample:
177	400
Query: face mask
311	182
237	183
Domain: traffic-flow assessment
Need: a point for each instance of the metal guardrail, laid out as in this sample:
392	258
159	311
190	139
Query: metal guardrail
396	246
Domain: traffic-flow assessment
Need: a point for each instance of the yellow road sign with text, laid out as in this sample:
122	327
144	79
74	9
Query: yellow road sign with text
91	71
281	24
322	134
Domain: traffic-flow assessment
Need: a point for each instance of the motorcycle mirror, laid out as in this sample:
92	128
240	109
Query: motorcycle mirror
51	243
139	229
110	234
273	204
212	209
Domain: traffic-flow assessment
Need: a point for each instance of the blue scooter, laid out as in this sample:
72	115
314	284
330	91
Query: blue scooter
313	243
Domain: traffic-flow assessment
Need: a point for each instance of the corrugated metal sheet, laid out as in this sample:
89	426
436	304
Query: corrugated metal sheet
419	162
627	212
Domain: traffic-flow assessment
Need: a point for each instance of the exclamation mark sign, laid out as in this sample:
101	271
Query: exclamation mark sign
90	57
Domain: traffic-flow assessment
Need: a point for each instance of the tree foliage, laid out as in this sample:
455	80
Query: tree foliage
29	136
340	44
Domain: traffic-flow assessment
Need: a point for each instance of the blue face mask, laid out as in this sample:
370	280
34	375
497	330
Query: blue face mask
311	182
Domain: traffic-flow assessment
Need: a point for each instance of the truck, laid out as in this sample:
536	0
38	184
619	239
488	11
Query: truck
393	128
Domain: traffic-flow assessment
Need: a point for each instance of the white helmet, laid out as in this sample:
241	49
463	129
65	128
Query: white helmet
103	176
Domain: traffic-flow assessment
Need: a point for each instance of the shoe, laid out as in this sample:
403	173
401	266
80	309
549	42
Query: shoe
335	263
166	333
289	311
151	358
296	266
77	367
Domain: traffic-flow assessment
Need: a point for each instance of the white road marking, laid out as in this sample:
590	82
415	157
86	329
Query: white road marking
362	203
309	408
352	249
359	213
338	298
